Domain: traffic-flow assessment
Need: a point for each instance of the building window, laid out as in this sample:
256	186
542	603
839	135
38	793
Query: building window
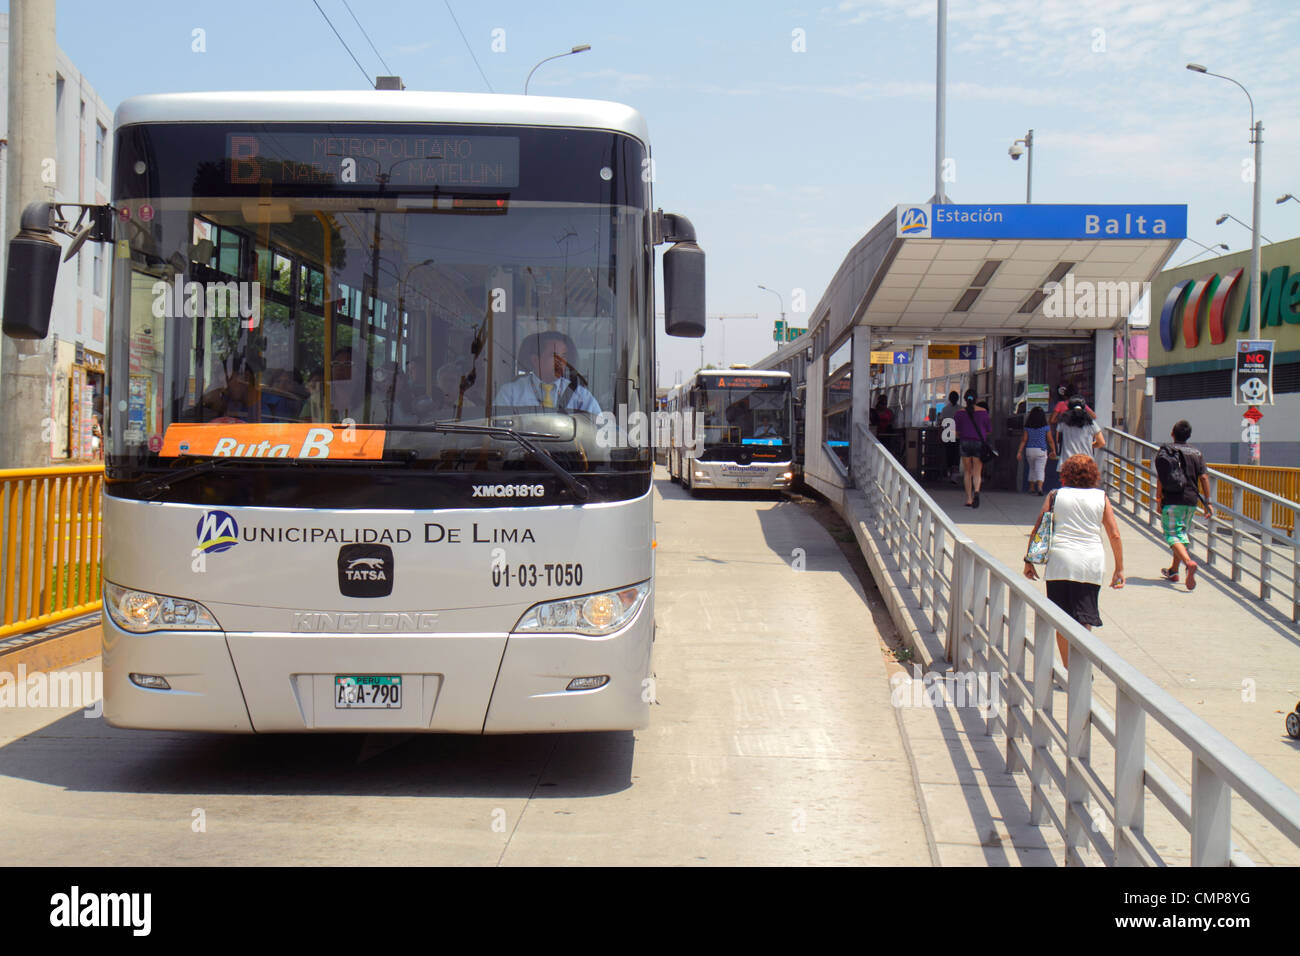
101	135
99	272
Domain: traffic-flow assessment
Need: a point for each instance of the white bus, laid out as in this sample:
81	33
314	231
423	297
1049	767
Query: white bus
359	342
746	441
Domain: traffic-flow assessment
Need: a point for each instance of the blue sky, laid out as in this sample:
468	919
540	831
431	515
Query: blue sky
781	158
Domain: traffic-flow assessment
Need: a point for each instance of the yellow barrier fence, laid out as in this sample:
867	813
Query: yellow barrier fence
49	545
1283	482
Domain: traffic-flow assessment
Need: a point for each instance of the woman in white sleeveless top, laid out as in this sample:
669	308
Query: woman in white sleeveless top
1076	565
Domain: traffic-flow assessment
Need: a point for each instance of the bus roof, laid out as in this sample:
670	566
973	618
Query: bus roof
382	106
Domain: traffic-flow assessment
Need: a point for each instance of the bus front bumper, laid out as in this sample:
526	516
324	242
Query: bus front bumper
451	683
731	475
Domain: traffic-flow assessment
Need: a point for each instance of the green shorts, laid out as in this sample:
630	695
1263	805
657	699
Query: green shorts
1174	521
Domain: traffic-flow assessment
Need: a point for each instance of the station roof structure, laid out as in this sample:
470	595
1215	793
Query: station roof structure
961	272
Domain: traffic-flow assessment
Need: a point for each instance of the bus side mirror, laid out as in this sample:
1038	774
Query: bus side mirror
683	276
30	275
684	290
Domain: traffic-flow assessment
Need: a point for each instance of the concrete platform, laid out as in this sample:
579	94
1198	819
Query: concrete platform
1230	659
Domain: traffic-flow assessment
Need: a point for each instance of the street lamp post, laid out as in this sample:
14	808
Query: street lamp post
1015	151
1256	138
580	48
1282	199
780	299
1214	248
1227	215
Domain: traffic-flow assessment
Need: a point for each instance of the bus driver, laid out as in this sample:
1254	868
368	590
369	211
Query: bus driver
551	381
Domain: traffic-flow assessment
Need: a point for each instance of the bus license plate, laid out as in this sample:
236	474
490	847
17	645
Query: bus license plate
356	691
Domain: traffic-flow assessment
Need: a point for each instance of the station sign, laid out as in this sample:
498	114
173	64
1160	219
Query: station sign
1252	382
966	352
891	358
1040	221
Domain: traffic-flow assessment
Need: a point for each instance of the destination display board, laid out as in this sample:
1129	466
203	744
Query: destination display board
444	160
744	381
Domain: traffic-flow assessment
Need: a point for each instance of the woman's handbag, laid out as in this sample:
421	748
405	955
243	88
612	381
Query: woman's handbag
987	451
1040	542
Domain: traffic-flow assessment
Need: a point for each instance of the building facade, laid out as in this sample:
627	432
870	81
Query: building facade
1199	312
80	172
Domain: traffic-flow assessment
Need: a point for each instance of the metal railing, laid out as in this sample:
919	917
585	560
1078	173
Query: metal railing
49	545
1252	536
996	623
1283	482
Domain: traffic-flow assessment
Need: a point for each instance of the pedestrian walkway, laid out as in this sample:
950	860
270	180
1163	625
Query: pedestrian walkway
1230	659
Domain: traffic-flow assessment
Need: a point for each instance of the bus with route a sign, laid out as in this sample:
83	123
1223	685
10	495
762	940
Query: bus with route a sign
746	441
354	479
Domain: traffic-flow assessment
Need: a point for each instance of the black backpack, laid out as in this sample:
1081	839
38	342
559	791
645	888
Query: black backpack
1171	469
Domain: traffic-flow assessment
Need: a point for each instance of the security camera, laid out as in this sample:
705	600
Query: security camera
1016	151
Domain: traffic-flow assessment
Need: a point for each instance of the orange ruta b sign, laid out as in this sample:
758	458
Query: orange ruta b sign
239	440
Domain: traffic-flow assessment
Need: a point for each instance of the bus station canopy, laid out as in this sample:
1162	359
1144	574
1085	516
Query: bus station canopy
986	270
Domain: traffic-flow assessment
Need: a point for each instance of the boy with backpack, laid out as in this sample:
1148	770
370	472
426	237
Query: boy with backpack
1182	483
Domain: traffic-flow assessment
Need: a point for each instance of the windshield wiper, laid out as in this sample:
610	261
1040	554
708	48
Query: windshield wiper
205	463
155	486
523	439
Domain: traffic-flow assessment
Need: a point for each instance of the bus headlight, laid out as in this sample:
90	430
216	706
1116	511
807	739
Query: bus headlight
141	611
602	613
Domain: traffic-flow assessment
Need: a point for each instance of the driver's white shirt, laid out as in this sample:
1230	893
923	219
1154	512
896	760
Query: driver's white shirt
526	392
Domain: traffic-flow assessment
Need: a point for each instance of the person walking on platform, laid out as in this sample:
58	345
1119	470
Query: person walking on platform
1183	483
1079	433
1064	391
952	456
972	431
1036	445
1076	563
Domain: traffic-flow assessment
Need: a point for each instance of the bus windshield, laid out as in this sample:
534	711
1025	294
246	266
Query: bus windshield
273	279
744	410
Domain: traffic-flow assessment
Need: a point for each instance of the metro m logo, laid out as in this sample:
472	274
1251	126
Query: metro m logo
217	531
914	221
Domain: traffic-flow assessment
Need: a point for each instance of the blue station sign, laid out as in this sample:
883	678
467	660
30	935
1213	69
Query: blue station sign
1040	221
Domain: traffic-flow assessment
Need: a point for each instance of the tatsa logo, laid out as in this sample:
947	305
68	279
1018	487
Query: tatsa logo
365	570
217	531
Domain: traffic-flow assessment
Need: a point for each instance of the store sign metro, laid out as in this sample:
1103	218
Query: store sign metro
1189	299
